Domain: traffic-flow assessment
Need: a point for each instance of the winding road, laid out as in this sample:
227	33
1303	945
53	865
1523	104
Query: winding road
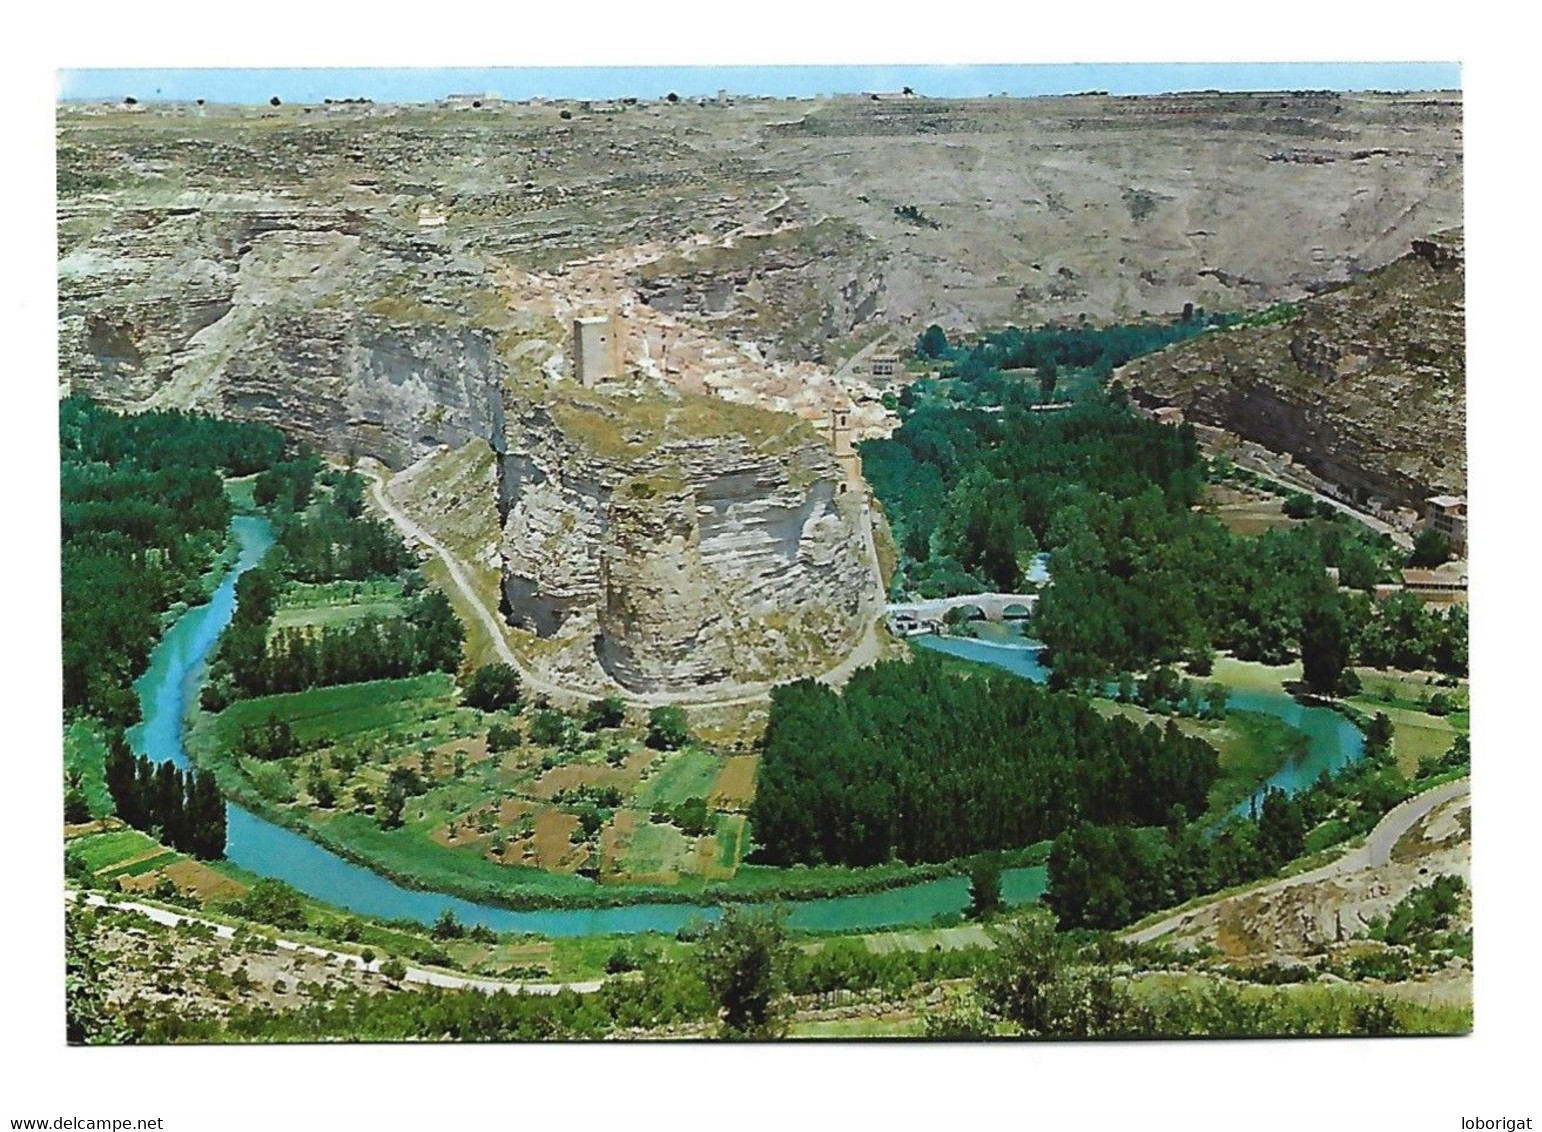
1374	853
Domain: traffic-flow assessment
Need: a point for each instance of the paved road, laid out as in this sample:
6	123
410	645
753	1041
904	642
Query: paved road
414	974
1373	853
866	650
1398	535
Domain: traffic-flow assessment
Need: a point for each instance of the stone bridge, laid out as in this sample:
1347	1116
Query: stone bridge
915	616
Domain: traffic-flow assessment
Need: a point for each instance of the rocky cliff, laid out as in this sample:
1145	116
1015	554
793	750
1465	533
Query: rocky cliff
646	538
1365	385
688	541
352	273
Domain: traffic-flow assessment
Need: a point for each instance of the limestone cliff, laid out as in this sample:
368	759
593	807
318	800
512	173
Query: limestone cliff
692	542
1364	385
645	538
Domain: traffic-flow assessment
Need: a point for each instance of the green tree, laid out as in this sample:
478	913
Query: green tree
1028	983
493	687
1216	696
393	802
1298	506
604	714
933	343
1379	733
984	886
76	807
668	728
1324	646
447	926
744	960
1049	374
1430	548
548	727
322	789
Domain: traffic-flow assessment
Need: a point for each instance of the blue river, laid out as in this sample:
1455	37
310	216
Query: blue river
168	690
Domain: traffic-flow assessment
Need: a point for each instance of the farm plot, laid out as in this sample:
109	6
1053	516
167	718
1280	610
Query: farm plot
417	707
689	773
735	785
319	605
718	856
658	854
105	852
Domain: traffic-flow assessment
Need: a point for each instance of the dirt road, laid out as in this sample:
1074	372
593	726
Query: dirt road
414	974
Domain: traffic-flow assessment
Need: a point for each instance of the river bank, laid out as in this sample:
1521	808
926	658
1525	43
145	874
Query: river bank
262	847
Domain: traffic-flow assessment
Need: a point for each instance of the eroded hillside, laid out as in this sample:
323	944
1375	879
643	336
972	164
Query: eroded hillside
1365	386
398	282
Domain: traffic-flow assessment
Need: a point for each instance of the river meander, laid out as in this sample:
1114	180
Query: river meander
257	845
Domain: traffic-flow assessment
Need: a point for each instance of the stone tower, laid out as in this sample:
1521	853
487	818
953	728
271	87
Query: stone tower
845	450
595	350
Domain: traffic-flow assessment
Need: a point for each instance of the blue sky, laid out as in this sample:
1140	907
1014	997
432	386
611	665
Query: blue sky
428	83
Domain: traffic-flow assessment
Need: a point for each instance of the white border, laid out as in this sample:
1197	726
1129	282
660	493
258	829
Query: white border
1411	1084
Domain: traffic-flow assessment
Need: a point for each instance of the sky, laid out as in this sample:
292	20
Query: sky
428	83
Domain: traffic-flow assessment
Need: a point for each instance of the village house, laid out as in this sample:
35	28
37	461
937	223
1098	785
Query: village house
1448	515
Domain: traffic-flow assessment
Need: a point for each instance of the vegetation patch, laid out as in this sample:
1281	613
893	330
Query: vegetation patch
688	773
735	784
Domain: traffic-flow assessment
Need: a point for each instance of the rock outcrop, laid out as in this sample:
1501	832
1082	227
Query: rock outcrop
689	556
1365	385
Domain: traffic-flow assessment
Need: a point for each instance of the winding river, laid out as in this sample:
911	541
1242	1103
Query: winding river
167	690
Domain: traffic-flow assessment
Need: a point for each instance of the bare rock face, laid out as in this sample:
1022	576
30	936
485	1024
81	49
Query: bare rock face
1364	385
688	562
660	614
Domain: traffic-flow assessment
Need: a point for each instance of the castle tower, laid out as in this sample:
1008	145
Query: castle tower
595	350
845	450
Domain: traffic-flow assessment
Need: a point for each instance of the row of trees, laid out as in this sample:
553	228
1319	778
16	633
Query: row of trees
1101	349
251	661
181	809
921	764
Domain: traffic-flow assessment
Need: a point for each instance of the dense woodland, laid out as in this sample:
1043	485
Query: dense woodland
143	515
1047	350
917	763
1141	577
323	536
1101	876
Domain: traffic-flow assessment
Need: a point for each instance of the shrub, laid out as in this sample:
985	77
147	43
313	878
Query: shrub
668	728
1298	506
620	961
605	714
493	687
501	738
